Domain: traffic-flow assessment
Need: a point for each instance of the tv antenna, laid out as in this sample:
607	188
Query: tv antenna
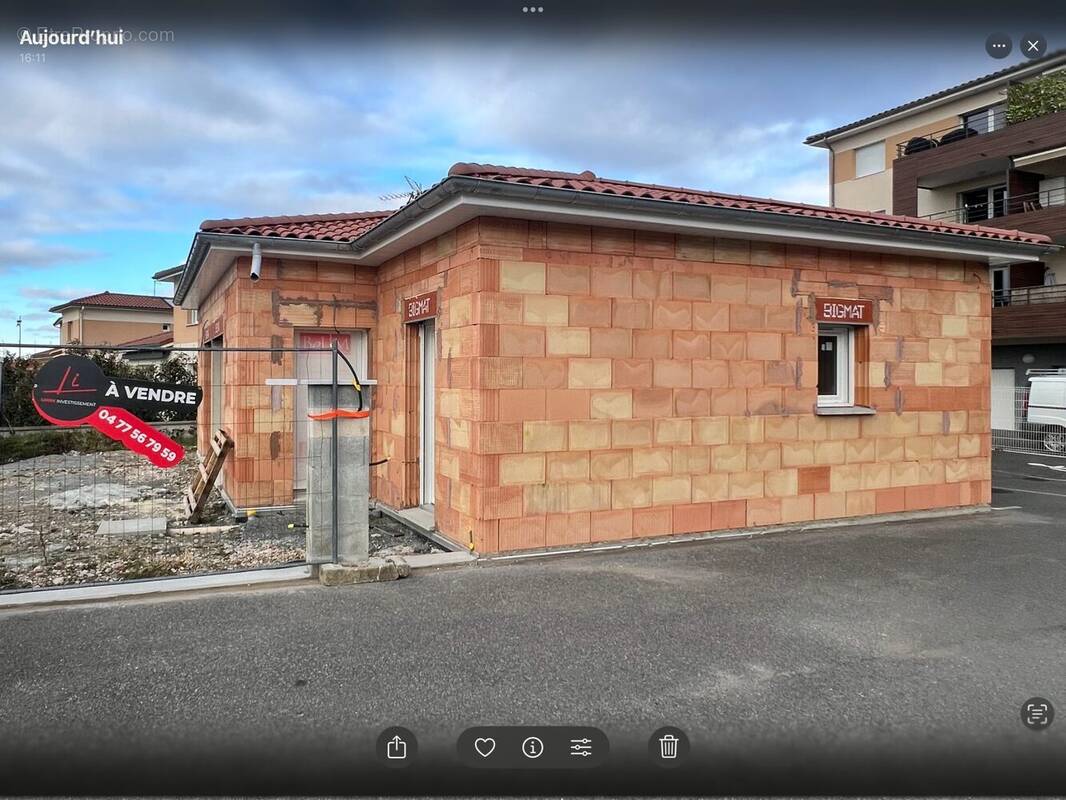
414	189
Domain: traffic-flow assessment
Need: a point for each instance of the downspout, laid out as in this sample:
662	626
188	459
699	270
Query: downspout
832	175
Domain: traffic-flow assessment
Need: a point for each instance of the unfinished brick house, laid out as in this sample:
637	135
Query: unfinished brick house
562	359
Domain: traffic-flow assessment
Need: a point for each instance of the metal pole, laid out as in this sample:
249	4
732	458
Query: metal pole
333	460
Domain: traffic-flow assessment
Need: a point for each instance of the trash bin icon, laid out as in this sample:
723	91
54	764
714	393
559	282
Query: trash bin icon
668	746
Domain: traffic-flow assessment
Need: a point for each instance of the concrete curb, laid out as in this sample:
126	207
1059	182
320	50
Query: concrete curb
154	586
735	533
440	560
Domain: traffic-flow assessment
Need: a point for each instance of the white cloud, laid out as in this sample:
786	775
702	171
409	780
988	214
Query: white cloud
53	295
33	253
159	139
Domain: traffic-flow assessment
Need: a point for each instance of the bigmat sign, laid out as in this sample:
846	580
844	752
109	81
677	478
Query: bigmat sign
72	391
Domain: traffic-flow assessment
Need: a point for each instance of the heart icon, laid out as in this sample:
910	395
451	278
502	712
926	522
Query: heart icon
484	746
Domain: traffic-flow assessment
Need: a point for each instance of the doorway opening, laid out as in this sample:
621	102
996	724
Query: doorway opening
427	430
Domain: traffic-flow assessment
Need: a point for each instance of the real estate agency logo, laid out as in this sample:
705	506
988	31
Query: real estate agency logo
68	389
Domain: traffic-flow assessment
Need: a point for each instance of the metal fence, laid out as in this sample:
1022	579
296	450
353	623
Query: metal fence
1012	430
78	507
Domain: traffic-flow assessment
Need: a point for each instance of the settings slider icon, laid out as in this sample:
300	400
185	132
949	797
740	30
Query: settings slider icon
581	748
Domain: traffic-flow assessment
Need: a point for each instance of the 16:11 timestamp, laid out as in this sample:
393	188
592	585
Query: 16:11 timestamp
32	58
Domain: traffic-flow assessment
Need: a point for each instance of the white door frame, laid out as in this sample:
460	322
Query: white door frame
427	429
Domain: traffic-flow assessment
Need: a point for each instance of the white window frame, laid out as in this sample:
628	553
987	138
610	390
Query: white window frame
845	352
990	118
868	148
192	316
990	199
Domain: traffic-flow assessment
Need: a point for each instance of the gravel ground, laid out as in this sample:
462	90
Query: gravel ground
51	508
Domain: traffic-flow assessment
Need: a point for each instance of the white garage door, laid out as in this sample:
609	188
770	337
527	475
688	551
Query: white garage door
1003	400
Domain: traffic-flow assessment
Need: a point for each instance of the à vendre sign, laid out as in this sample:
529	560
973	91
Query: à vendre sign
72	391
850	312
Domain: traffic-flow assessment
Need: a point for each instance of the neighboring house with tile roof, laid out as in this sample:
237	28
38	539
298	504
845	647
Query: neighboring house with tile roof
971	154
558	358
112	318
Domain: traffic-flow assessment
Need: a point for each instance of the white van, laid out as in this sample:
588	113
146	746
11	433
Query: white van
1046	407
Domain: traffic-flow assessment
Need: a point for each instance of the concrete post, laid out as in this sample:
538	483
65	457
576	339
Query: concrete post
353	458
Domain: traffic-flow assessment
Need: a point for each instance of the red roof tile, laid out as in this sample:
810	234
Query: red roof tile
324	227
156	340
350	226
589	182
144	302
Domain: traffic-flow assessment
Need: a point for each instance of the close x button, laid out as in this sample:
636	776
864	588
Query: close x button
533	747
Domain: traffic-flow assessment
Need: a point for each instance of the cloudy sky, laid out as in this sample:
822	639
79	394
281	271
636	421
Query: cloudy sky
110	157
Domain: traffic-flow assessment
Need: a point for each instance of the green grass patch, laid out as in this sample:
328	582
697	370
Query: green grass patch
54	441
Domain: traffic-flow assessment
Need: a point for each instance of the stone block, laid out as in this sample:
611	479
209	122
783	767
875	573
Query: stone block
595	435
589	373
611	405
543	436
526	277
632	433
373	570
568	341
521	468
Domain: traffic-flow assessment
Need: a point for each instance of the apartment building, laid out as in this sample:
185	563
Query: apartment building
991	151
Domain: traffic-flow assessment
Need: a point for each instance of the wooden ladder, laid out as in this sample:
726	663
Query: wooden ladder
196	495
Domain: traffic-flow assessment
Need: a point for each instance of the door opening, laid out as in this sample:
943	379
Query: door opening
427	429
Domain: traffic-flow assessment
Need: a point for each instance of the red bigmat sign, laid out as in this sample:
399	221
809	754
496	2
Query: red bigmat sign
853	312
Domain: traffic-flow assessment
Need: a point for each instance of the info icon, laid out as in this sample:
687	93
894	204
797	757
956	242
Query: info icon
397	747
1037	713
668	747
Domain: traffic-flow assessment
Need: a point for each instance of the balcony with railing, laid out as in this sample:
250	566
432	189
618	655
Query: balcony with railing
987	213
1031	313
971	126
968	153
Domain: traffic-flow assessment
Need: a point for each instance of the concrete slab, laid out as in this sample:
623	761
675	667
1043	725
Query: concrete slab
141	526
438	560
421	518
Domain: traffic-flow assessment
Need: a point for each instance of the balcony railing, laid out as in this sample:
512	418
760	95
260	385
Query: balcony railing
994	121
1029	295
985	213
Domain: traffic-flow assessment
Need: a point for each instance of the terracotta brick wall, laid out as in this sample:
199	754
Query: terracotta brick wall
447	265
598	384
628	384
290	295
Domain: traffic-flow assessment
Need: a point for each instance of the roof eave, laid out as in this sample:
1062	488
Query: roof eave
771	224
203	241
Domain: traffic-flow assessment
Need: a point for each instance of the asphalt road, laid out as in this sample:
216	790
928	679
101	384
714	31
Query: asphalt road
887	657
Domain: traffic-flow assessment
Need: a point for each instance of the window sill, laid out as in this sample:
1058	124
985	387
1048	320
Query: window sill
845	411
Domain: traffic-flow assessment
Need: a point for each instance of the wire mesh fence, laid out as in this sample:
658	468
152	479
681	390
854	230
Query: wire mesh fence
1019	427
91	503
